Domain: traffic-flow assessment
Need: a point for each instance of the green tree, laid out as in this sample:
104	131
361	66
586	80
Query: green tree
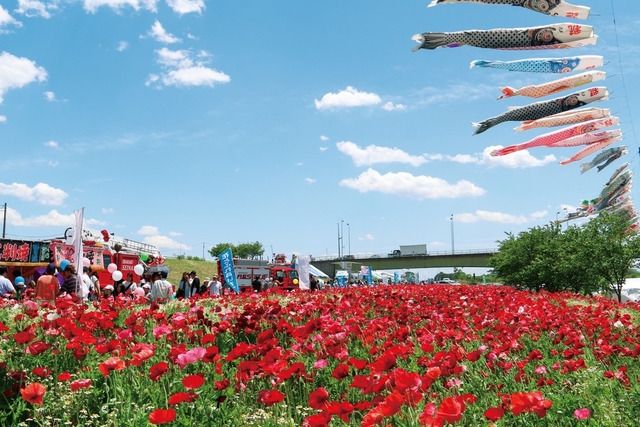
250	250
221	247
528	259
612	247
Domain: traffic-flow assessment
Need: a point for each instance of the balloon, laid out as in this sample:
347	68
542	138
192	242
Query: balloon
86	262
138	269
144	256
64	264
112	267
19	279
116	275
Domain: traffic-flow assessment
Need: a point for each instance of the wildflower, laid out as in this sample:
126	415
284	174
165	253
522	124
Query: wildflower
33	393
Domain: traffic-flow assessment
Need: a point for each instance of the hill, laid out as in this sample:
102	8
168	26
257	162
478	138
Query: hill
178	266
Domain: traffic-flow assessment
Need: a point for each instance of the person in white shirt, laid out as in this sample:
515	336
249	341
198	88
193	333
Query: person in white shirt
215	287
162	289
6	287
87	284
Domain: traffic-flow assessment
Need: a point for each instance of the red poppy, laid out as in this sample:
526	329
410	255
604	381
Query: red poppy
270	397
318	399
193	381
111	364
78	384
494	414
33	393
37	347
182	397
582	414
451	409
340	372
65	376
24	337
158	370
407	381
162	416
41	372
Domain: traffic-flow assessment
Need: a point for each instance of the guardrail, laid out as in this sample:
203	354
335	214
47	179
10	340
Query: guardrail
429	253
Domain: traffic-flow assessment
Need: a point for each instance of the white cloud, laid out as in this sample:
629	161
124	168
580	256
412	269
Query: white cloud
390	106
486	216
539	215
374	154
324	138
107	211
3	119
51	144
50	96
350	97
464	91
18	72
415	187
174	234
158	33
93	5
517	160
309	180
41	193
52	219
148	230
6	19
122	46
186	6
164	242
182	70
35	8
323	149
53	164
368	237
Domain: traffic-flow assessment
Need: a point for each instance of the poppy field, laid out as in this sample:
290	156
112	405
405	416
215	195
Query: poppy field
381	356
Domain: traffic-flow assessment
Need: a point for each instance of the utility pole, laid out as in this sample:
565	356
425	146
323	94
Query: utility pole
203	251
342	234
338	239
4	221
349	233
453	248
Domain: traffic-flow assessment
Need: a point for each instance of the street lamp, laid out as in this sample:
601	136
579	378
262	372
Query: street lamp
557	213
349	234
338	239
342	235
453	248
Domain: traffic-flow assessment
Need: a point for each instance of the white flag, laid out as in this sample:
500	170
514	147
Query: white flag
77	246
302	265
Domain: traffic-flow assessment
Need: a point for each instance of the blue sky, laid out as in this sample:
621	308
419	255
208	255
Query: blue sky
191	122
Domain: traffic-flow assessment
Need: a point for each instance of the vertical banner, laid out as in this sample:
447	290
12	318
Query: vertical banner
302	266
395	278
385	279
369	276
78	253
418	277
229	274
342	281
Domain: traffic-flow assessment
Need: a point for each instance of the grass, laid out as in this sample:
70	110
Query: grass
178	266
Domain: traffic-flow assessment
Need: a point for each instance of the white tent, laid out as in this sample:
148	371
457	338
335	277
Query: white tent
313	270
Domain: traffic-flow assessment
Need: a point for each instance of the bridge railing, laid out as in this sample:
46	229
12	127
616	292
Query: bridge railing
429	253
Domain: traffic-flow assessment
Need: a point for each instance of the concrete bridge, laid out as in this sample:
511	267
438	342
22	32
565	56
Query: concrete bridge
469	258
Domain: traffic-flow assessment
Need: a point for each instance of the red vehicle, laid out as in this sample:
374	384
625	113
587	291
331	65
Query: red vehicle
249	269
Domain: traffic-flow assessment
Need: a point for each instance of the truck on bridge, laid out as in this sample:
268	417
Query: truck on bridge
410	250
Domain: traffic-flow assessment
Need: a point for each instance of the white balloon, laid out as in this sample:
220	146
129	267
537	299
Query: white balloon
116	275
112	267
138	269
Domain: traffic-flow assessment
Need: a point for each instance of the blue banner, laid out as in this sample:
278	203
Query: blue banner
369	276
395	278
342	281
228	272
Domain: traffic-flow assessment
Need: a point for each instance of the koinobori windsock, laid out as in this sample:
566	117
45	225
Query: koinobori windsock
544	65
548	7
566	118
590	149
542	109
558	36
609	155
560	85
551	138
